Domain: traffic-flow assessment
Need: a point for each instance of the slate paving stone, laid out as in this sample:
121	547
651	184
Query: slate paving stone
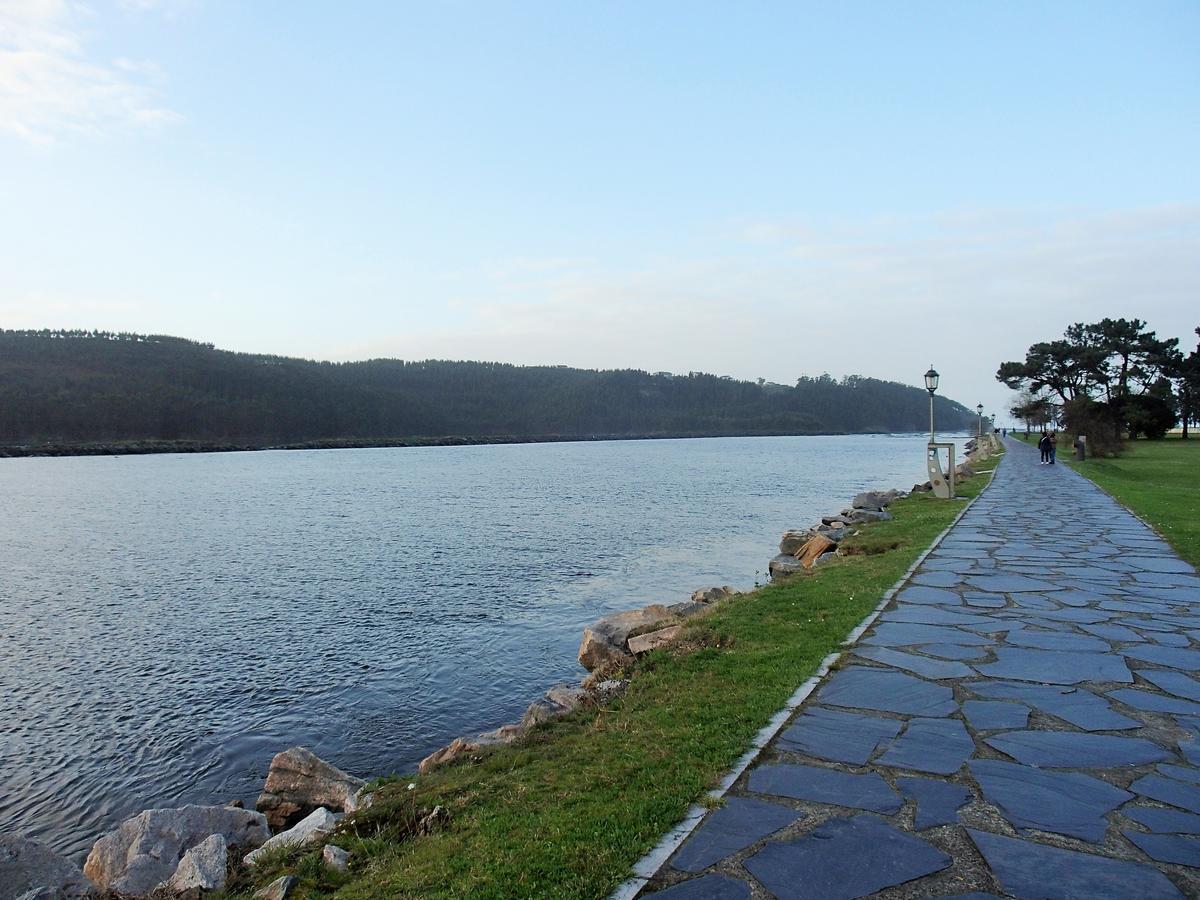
1057	666
1163	821
1078	616
844	858
859	687
1170	639
1168	790
819	785
985	601
1190	774
709	887
938	802
1167	848
1026	869
1173	657
1009	584
1160	564
1112	632
1067	803
939	746
987	715
1154	702
1076	750
1077	598
1059	640
903	634
923	594
1033	601
839	736
920	665
1172	682
936	579
739	823
953	651
931	615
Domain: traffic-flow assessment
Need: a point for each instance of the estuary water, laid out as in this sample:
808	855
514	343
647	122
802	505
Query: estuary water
168	623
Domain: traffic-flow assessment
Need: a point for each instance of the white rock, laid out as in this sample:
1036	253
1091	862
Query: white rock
335	858
202	867
313	827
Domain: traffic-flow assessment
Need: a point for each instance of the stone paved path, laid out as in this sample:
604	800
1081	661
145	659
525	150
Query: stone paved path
1023	720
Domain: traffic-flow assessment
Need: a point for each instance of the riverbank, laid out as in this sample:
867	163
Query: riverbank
567	811
141	448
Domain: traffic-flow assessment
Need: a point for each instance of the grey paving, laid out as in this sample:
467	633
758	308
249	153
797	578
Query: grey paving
709	887
1029	680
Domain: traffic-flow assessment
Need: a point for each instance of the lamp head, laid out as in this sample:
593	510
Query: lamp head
979	409
931	380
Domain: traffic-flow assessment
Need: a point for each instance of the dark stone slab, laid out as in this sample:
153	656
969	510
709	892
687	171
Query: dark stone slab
903	634
1009	584
1112	632
936	579
839	736
1170	639
819	785
1172	682
1026	869
1163	821
1190	774
741	822
881	689
921	665
1076	750
1152	702
1058	640
953	651
985	601
925	594
1033	601
1188	660
708	887
985	715
1063	802
1056	666
1160	564
940	746
932	615
1080	598
1077	706
937	802
1168	790
844	858
1077	616
1167	848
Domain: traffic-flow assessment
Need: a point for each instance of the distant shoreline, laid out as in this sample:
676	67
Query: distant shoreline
139	447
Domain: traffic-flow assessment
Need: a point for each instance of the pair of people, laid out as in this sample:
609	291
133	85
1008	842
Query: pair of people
1049	447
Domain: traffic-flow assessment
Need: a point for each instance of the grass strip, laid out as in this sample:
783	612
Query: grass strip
571	809
1158	480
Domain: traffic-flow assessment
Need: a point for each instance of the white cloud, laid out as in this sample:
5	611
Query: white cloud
51	89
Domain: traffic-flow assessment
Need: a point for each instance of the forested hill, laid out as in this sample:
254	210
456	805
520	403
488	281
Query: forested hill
76	387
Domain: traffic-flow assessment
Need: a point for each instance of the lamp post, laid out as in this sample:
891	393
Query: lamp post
931	383
979	409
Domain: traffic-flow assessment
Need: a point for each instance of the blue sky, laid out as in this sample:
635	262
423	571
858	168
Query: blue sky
759	190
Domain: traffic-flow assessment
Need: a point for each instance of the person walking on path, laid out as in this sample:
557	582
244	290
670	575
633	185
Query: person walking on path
1053	446
1044	448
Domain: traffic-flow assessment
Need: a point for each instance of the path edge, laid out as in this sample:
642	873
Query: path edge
645	868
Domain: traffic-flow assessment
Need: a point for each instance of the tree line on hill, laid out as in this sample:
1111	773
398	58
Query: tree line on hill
1107	380
74	387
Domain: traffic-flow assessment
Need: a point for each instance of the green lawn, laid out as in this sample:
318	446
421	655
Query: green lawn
1160	481
569	812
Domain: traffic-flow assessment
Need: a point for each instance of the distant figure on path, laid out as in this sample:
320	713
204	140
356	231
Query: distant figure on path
1044	447
1053	446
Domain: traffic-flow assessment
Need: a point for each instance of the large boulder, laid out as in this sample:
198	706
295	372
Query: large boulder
32	870
870	515
816	547
603	645
147	848
448	754
873	499
652	640
794	539
315	826
203	867
783	565
712	594
298	782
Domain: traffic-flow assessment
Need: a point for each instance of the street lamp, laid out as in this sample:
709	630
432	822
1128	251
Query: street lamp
979	409
931	383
